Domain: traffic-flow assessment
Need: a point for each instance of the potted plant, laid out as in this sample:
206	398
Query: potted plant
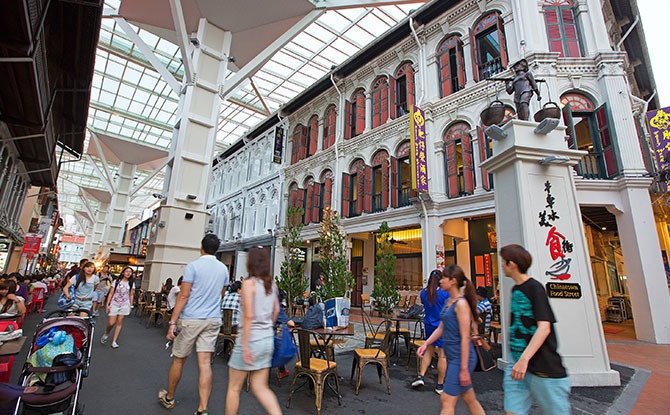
385	289
337	279
291	275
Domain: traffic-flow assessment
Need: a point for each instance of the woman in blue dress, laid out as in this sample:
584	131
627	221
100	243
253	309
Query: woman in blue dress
456	326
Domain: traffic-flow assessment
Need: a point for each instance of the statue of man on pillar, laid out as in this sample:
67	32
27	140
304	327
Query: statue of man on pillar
522	85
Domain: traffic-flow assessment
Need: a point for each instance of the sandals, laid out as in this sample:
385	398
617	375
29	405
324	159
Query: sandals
201	412
163	399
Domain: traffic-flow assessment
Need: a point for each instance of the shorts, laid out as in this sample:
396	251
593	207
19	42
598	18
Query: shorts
202	332
261	351
551	394
86	304
429	330
116	310
98	297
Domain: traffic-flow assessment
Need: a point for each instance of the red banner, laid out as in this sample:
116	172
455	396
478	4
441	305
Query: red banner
32	245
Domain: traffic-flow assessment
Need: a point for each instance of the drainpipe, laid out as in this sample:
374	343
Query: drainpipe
422	62
337	137
630	29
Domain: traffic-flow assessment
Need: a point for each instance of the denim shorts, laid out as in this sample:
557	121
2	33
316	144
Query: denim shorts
429	330
261	352
551	394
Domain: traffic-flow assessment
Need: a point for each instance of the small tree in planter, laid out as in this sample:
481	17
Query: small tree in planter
291	275
385	290
337	280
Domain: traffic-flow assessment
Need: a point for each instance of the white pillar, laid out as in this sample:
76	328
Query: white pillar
368	111
521	196
98	227
645	273
184	211
431	235
118	212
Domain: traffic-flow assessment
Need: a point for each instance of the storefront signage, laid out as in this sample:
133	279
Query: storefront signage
563	290
32	245
488	277
659	127
4	253
279	144
418	149
557	243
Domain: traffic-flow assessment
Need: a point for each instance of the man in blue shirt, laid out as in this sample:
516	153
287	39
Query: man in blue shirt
198	310
484	306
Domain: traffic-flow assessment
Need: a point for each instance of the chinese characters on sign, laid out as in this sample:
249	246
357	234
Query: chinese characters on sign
659	127
279	144
417	125
557	244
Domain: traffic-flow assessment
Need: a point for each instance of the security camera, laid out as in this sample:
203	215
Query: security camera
546	126
158	196
191	197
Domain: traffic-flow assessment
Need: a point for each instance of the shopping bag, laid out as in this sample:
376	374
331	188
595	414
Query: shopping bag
285	348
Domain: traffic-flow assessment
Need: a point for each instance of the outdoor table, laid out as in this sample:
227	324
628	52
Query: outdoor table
398	320
12	347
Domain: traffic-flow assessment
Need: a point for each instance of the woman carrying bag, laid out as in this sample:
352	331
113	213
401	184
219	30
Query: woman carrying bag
253	350
85	284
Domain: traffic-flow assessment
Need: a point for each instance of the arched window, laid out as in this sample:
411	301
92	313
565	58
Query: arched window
296	196
459	161
309	200
590	129
380	101
489	51
354	122
356	194
451	66
401	176
312	134
403	90
562	30
380	181
329	124
299	151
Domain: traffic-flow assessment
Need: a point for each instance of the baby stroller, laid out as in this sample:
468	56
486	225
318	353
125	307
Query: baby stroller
57	363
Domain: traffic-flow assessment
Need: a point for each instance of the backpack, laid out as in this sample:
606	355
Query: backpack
64	359
415	311
313	318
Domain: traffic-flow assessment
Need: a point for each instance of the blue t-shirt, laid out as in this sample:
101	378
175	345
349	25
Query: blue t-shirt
432	311
208	276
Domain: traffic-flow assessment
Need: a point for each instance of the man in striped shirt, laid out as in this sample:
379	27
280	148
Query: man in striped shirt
484	306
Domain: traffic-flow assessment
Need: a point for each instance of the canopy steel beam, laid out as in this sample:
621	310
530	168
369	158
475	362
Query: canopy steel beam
260	97
105	165
149	54
349	4
182	39
108	184
149	177
256	63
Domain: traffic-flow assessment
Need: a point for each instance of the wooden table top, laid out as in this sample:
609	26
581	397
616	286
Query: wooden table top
336	331
12	347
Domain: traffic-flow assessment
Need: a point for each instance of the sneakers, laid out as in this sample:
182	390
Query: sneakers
283	374
104	338
439	389
201	412
163	399
115	345
418	382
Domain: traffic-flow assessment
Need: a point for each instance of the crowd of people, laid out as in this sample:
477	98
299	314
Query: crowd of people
454	311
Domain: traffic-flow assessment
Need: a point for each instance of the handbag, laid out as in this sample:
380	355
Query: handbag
285	348
485	359
63	302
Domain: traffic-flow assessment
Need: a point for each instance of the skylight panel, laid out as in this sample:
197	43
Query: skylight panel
375	25
344	47
358	36
335	20
335	55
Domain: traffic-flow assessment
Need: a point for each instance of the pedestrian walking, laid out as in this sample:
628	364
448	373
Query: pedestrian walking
252	354
118	306
455	328
433	299
196	318
535	369
85	284
100	294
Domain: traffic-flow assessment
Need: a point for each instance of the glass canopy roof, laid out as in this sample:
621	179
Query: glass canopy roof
130	100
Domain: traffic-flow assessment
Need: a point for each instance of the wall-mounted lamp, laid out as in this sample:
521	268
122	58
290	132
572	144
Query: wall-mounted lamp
496	132
159	196
546	126
191	197
161	224
188	216
555	160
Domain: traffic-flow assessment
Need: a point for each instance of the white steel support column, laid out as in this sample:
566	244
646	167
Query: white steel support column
181	220
98	229
116	217
431	236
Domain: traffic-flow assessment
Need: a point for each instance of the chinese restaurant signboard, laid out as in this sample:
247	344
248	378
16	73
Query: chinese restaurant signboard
659	127
279	144
417	125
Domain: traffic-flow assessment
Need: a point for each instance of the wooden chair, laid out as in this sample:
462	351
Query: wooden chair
412	300
379	357
226	335
418	340
481	324
140	301
402	304
365	302
160	309
371	337
317	370
150	304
